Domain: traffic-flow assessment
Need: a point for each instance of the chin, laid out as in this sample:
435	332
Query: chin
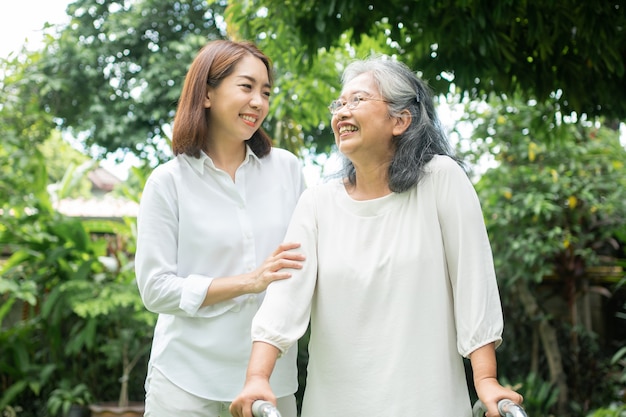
345	149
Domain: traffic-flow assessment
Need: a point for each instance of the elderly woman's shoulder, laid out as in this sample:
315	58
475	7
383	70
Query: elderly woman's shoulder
444	165
443	162
325	187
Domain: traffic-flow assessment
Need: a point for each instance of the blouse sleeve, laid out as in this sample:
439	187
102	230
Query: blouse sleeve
478	312
284	314
161	289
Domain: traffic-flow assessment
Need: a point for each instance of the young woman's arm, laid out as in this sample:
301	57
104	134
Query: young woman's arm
275	267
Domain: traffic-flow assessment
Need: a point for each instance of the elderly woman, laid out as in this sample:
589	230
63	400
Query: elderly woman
399	283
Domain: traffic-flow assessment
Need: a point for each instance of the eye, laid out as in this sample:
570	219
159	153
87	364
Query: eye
267	94
246	86
337	104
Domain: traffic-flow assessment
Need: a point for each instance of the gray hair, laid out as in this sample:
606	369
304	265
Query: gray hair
422	140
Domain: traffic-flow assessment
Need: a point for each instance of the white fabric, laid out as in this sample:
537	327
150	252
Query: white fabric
167	400
398	289
196	224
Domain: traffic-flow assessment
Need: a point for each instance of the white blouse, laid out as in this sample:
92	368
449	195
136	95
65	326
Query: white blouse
398	289
196	224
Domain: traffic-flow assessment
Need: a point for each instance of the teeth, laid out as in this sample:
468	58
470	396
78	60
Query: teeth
348	128
248	118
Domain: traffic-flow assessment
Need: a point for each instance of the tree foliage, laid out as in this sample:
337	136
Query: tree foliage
571	49
559	186
305	84
555	207
24	127
51	265
114	73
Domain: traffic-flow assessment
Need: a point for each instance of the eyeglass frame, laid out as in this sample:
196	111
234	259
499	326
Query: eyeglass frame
351	103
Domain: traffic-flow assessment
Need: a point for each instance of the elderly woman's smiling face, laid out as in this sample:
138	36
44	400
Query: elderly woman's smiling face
361	122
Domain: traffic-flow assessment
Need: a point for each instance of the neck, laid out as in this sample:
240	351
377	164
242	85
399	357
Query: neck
227	158
371	183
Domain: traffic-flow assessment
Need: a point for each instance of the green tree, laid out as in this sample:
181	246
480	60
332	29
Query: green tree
555	206
495	46
24	127
52	267
114	73
305	85
67	168
59	154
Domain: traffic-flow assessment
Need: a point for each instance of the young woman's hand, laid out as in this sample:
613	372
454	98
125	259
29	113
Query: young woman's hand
277	266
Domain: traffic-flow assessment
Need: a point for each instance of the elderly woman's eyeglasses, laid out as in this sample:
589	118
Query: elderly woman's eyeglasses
351	103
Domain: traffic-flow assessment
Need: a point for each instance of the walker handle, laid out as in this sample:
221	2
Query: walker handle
262	408
506	408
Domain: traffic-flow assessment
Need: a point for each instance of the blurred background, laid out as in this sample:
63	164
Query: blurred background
531	94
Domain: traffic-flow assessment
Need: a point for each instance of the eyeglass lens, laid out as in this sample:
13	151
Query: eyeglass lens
351	103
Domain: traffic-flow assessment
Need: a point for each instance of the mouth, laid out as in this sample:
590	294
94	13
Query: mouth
347	129
248	119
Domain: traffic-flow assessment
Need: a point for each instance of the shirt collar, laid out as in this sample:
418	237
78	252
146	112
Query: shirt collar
198	164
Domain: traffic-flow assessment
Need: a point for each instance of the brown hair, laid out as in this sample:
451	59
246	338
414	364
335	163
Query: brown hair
214	62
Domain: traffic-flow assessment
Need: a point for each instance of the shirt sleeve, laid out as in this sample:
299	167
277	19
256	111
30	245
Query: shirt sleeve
284	314
478	312
161	289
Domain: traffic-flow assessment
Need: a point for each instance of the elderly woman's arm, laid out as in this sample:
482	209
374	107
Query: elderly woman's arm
489	390
257	385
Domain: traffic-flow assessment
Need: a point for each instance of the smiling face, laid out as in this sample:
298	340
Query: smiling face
366	131
240	103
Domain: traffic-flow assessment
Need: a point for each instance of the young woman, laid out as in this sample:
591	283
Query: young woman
210	228
399	283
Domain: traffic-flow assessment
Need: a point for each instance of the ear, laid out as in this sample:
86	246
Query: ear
207	99
402	122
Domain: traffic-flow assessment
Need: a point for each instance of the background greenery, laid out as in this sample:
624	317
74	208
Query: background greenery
535	91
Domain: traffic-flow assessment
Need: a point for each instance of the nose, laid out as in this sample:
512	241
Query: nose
342	112
256	101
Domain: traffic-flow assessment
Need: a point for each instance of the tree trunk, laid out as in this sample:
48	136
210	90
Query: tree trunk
550	344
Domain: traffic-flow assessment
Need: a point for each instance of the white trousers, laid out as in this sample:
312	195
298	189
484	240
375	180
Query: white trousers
165	399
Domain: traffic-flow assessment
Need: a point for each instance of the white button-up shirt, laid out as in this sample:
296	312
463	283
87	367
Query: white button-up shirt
195	224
